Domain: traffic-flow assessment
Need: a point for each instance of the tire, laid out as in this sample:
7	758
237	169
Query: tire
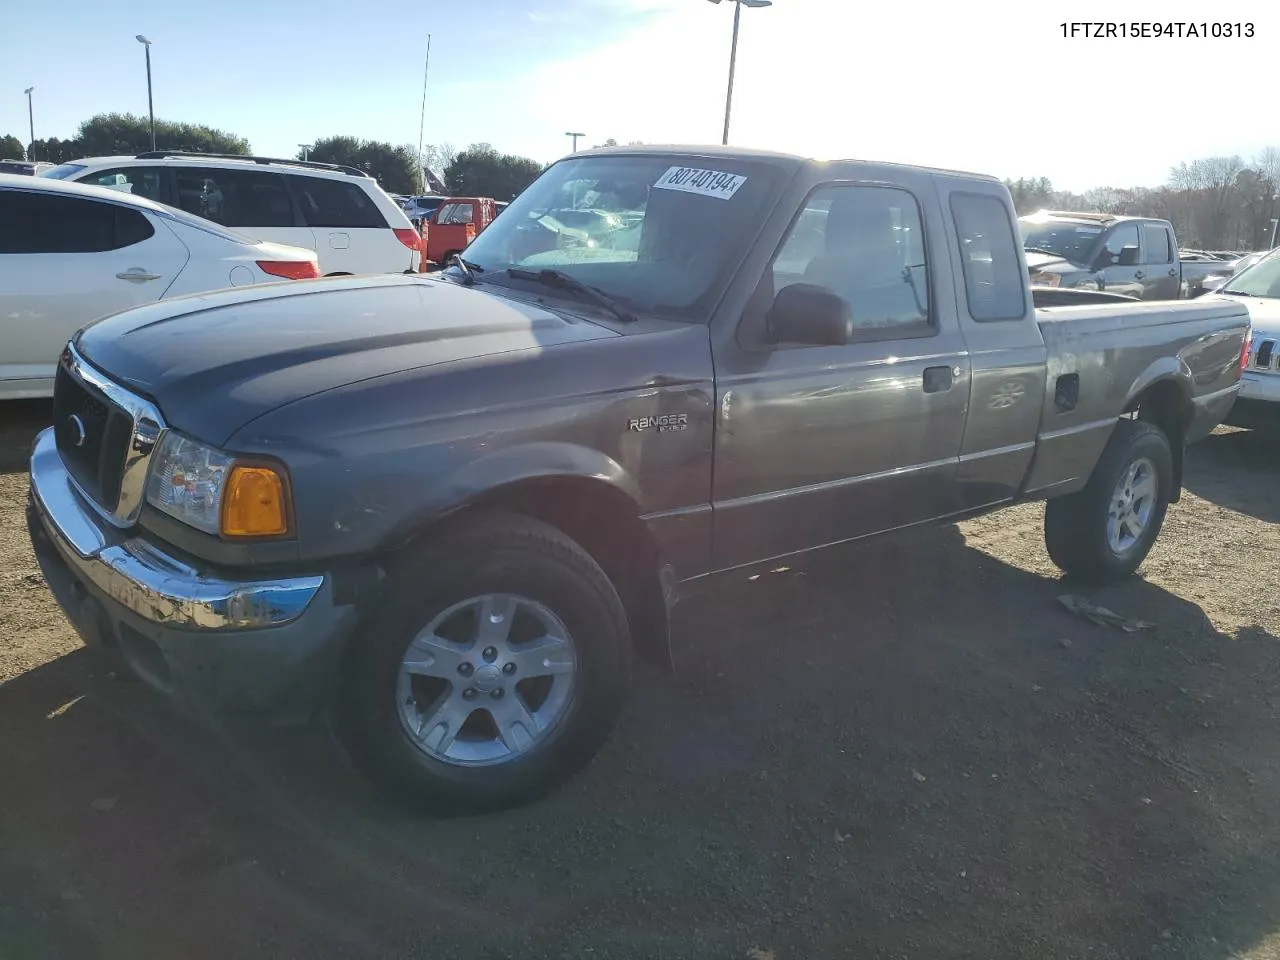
407	730
1077	528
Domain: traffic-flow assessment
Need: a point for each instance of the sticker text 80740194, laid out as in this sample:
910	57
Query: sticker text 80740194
707	183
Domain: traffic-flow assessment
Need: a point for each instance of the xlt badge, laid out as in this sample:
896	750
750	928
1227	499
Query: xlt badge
666	423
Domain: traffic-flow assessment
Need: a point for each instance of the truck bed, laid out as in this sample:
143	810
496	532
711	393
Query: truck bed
1118	351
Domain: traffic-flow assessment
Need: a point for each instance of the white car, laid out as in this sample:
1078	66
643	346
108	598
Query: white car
340	212
70	254
1258	287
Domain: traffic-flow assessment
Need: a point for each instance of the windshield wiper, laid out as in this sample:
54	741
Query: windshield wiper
562	280
469	270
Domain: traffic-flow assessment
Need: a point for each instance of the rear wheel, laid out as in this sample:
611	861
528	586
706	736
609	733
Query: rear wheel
1103	533
495	672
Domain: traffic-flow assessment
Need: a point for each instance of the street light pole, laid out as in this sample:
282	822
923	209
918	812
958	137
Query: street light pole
733	55
306	150
31	126
150	108
575	137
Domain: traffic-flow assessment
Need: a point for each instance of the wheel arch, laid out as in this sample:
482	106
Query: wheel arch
1162	397
587	496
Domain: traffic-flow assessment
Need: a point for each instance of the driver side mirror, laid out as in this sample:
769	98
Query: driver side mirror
1129	255
809	314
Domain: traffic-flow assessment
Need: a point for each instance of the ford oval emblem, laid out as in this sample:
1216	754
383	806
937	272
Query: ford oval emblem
78	434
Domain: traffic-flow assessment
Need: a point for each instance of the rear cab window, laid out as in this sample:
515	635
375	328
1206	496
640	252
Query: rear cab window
994	279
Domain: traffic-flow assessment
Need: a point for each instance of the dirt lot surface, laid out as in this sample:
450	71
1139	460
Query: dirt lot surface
903	749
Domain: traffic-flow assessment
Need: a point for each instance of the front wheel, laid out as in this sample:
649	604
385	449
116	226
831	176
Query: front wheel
1102	534
496	670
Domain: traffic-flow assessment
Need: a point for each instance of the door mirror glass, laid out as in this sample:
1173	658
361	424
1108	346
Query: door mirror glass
1129	255
806	313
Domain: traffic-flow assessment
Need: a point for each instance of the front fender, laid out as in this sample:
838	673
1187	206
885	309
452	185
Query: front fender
505	467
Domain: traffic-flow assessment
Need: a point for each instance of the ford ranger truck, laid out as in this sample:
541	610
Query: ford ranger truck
451	511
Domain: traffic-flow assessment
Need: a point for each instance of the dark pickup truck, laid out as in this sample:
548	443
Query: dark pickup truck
451	510
1132	256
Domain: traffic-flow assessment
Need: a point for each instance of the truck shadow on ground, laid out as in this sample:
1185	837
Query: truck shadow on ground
20	421
904	748
1239	470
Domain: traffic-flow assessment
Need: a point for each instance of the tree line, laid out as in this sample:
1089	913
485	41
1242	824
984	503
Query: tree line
1214	203
479	170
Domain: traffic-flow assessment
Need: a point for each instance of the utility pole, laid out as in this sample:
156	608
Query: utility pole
575	137
422	118
1274	223
733	54
31	126
150	106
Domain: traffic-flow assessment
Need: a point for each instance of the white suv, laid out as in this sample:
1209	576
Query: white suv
340	212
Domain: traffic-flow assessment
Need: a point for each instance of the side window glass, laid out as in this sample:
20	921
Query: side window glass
139	181
1125	235
335	203
866	245
36	223
235	198
1156	241
994	281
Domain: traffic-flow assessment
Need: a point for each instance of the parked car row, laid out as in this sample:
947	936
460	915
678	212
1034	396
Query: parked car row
90	238
340	212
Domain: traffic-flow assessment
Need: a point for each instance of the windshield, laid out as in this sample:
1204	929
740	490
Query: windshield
1260	280
653	233
1069	240
62	171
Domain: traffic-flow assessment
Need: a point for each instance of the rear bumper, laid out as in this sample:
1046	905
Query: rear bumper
212	642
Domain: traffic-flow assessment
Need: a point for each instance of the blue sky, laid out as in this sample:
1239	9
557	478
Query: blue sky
931	82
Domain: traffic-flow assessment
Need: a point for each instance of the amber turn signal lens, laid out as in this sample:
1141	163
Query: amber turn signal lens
253	505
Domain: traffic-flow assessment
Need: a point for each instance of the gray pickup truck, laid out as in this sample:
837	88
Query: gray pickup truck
1131	256
452	511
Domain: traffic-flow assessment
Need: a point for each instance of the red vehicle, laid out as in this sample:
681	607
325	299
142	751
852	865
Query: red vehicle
455	223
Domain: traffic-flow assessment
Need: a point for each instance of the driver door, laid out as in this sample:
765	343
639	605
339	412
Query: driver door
1121	274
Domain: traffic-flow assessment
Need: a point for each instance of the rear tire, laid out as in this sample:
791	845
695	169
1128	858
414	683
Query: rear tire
1102	534
466	717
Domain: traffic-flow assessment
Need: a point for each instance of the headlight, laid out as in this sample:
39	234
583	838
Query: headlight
1047	279
207	489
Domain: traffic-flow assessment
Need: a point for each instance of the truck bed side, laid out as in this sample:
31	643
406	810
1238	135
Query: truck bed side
1104	361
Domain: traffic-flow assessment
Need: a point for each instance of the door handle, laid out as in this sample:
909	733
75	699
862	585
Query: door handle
1139	275
137	275
937	379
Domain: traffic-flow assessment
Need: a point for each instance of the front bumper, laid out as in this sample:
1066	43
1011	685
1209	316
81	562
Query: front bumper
1259	402
211	642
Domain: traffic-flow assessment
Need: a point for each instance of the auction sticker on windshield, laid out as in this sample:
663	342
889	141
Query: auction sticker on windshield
707	183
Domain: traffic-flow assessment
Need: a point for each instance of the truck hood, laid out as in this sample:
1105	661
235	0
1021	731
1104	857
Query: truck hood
213	362
1264	313
1045	261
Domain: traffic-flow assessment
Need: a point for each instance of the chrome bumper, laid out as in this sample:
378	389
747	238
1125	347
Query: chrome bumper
1260	386
144	580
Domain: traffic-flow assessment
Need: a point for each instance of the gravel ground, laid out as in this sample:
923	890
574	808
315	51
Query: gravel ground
903	749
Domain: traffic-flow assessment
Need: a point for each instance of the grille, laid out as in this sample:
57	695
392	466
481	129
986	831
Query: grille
1262	359
97	463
